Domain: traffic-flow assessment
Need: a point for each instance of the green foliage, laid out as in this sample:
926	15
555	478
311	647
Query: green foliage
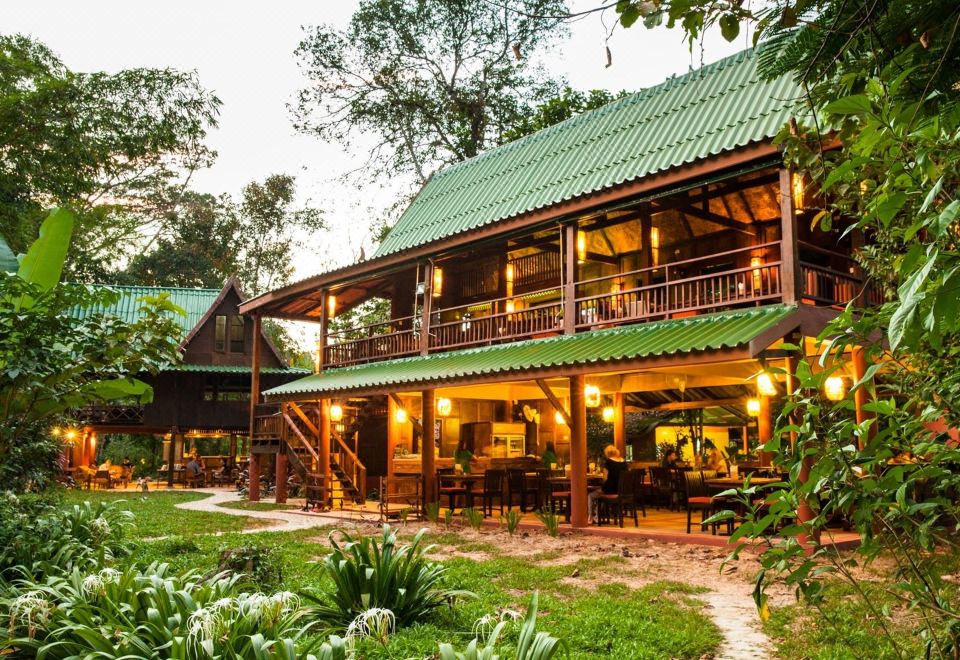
532	645
52	361
433	512
511	519
258	563
40	540
143	451
436	82
568	103
473	517
78	139
550	520
447	518
152	614
367	574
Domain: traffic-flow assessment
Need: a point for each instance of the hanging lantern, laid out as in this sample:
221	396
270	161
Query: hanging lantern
56	431
558	418
766	385
400	416
655	246
437	281
508	278
755	264
444	407
336	412
591	396
581	247
798	190
70	435
753	407
834	388
331	305
608	414
511	306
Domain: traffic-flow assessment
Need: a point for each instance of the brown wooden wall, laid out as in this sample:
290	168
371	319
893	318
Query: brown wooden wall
200	350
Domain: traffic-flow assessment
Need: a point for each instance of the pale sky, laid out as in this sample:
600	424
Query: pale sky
243	51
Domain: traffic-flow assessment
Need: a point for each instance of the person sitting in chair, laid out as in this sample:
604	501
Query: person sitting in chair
549	457
194	470
613	466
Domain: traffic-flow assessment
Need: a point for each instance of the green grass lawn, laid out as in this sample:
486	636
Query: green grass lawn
156	514
589	603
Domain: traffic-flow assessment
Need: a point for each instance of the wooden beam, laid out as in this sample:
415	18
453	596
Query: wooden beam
619	424
554	401
428	465
579	516
789	255
426	309
569	264
703	403
716	218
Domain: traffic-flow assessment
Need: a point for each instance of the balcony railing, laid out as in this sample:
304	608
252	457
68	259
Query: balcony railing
376	341
736	278
682	286
497	320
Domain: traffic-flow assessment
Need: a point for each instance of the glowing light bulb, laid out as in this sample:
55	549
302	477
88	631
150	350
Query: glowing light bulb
766	385
753	407
608	414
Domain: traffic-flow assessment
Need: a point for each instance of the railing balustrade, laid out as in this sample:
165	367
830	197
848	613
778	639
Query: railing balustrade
500	319
376	341
835	282
682	286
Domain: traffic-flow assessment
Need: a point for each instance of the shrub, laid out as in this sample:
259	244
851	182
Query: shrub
151	614
52	540
259	563
367	574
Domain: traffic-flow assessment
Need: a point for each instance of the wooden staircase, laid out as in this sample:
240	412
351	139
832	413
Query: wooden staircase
294	429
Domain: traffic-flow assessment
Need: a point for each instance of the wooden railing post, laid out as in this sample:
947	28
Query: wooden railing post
569	242
324	330
789	254
426	309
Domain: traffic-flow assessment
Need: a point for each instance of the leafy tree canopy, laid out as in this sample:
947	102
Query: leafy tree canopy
568	103
433	81
112	146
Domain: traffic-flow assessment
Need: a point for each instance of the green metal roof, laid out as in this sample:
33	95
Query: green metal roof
8	260
229	369
718	108
697	333
195	302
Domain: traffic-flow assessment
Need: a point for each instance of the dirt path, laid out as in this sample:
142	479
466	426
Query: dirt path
279	521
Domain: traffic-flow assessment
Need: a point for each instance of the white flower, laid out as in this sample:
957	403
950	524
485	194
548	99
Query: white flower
31	610
110	575
93	585
376	623
100	527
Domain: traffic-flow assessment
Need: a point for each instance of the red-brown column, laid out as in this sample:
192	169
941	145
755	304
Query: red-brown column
578	453
765	429
860	395
619	425
254	471
393	433
428	465
323	451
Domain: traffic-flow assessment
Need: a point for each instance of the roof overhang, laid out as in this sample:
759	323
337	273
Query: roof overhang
700	340
272	303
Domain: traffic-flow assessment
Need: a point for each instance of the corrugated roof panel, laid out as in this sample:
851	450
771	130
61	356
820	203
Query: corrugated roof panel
195	302
720	107
230	369
698	333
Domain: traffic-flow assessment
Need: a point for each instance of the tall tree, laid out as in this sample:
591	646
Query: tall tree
111	146
878	136
433	81
568	103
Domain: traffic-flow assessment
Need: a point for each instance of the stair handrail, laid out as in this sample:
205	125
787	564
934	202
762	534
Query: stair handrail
303	440
306	420
353	466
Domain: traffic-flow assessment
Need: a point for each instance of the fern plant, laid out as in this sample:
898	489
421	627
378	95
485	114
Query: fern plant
473	517
511	519
370	574
550	520
433	512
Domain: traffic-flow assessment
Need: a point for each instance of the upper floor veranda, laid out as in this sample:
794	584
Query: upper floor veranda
742	238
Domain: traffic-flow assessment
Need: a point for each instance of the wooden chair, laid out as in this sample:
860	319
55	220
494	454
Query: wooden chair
452	491
103	479
699	499
191	480
661	486
623	501
518	486
559	502
493	482
399	497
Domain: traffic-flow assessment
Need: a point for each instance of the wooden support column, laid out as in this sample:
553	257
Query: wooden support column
860	396
324	325
323	451
791	283
428	464
282	472
619	424
578	453
765	429
393	433
254	470
174	437
569	242
426	310
646	256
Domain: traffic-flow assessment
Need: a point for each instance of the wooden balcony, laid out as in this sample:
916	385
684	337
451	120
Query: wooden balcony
743	277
